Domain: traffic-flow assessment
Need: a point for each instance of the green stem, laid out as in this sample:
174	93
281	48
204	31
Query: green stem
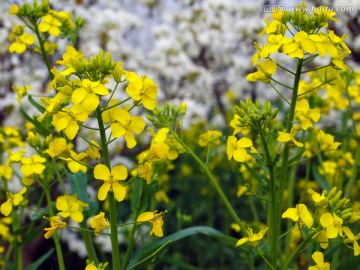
42	48
213	181
111	198
59	254
272	209
88	243
275	245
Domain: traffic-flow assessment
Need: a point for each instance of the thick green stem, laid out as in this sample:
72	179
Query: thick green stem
213	181
59	253
275	245
272	208
111	198
88	243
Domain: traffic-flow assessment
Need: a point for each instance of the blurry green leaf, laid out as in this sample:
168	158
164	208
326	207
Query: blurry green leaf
36	216
149	249
78	184
36	105
320	179
39	126
39	261
137	189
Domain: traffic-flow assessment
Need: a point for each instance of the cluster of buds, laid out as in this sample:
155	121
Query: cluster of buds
301	19
255	115
167	116
340	206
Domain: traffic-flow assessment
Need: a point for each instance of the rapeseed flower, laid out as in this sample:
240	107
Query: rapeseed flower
55	223
13	199
99	223
253	239
156	219
318	257
111	179
299	214
142	89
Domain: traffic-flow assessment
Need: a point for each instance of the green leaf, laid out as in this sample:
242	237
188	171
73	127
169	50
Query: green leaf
39	126
137	194
39	261
36	105
78	184
151	248
320	179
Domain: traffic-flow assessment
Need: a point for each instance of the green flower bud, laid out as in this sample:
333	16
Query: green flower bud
118	72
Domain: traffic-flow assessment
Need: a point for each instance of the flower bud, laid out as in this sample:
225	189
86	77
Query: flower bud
118	72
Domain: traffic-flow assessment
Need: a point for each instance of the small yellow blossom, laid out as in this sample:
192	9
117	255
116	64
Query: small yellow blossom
14	9
50	24
333	225
19	46
118	173
88	94
237	149
70	206
55	223
13	199
252	239
99	223
156	219
318	257
287	137
305	114
211	137
299	214
142	89
351	238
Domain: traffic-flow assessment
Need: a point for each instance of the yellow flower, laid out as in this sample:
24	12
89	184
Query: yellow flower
305	114
326	141
87	94
119	172
69	120
142	88
14	9
13	199
253	239
21	91
99	223
50	24
333	225
125	125
320	200
300	214
264	72
155	219
318	257
351	238
211	137
237	149
19	46
287	137
70	206
55	223
59	148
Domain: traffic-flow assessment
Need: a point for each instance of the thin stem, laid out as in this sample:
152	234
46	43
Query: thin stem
42	48
151	255
213	181
284	68
286	86
281	95
59	253
111	199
